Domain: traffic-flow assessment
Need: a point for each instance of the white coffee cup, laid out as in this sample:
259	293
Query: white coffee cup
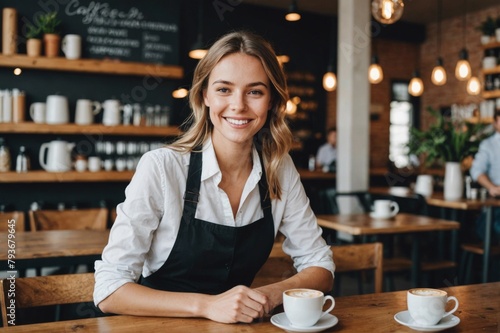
71	45
81	165
85	111
428	306
94	163
108	164
37	112
385	208
304	307
424	185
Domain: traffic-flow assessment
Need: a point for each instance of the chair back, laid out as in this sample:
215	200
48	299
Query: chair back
360	257
278	267
16	216
91	218
47	290
329	202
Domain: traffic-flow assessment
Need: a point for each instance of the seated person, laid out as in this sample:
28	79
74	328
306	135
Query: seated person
326	156
486	171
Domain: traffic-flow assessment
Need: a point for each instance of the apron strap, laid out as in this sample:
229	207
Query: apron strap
192	193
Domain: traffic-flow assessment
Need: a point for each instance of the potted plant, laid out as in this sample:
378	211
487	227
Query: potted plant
49	24
33	40
450	141
487	28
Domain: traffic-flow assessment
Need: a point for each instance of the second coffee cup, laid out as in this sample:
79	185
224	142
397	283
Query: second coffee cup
428	306
304	307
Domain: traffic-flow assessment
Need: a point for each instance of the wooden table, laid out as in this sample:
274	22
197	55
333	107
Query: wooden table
54	247
478	312
364	224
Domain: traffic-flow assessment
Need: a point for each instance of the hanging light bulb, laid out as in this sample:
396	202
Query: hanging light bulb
329	81
387	11
293	13
438	76
462	70
375	73
416	86
473	86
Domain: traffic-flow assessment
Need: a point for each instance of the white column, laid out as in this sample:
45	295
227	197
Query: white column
353	97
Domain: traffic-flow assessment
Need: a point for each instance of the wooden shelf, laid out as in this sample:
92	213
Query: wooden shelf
478	120
74	129
494	70
491	94
40	176
491	45
92	66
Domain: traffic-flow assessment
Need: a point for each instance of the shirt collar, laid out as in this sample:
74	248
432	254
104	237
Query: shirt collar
211	166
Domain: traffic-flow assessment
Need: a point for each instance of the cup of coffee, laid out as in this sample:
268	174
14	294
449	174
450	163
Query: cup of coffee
304	307
385	208
428	306
71	45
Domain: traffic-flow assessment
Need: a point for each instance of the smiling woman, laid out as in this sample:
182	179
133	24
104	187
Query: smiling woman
201	215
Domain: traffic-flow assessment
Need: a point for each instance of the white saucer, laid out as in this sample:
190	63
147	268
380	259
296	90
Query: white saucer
404	318
375	216
280	320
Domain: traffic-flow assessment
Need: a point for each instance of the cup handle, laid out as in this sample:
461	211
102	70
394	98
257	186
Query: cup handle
63	44
328	297
97	107
394	208
41	156
32	109
455	308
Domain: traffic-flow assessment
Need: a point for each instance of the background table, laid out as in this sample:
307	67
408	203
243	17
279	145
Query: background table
364	224
54	247
478	312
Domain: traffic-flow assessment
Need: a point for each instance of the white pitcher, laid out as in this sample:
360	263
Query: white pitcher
111	115
58	156
57	110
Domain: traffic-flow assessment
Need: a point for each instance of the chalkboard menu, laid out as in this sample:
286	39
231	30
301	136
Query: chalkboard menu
145	31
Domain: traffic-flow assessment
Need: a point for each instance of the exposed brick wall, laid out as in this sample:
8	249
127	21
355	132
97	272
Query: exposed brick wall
399	60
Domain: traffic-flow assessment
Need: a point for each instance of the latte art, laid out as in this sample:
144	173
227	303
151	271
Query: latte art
304	293
427	292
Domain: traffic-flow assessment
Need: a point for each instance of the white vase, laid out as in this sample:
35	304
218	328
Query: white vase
453	181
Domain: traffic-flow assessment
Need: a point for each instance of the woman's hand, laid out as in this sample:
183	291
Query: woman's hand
239	304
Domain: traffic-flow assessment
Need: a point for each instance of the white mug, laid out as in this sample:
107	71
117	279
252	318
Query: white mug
85	111
94	163
424	185
385	208
57	110
71	45
427	306
304	307
81	165
111	115
37	112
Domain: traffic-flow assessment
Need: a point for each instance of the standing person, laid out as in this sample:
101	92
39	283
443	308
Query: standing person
486	171
326	157
201	215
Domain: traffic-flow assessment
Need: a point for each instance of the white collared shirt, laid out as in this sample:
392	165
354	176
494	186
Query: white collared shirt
147	222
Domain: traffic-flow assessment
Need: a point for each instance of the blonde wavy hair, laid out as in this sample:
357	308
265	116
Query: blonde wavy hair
274	139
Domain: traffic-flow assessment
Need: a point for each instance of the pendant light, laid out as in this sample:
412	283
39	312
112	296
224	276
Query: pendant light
462	70
330	79
473	86
197	50
438	76
293	13
375	73
416	86
387	11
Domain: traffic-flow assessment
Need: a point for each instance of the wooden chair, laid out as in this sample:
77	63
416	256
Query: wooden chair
469	251
46	290
91	218
359	258
18	216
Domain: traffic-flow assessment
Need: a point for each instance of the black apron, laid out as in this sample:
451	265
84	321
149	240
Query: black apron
211	258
